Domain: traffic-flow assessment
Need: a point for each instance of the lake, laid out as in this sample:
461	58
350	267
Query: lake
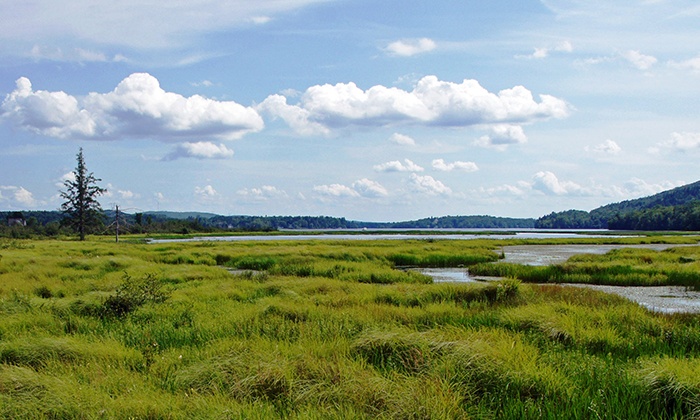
461	234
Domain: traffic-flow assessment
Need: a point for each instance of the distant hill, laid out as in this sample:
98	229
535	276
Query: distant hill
675	209
324	222
177	215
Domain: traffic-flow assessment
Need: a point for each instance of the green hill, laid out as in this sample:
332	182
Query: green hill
676	209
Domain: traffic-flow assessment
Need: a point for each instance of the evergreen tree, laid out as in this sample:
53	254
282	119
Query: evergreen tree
81	207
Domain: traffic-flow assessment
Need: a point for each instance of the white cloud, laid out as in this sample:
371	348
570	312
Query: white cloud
506	190
24	197
548	183
200	150
368	188
402	139
266	192
79	55
206	192
692	64
336	190
502	135
133	23
440	165
429	185
679	142
127	194
203	83
608	147
410	47
19	195
639	60
636	187
298	118
397	166
361	188
137	108
544	52
68	176
432	103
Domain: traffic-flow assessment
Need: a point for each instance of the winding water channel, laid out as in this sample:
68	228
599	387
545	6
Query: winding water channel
667	299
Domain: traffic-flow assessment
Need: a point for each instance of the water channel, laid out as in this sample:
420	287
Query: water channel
667	299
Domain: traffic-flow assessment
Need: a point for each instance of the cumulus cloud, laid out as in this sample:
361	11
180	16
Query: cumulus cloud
336	190
501	136
127	194
410	47
397	166
679	142
548	183
266	192
636	187
205	192
19	195
432	102
402	139
429	185
506	190
200	150
361	188
368	188
608	147
298	118
639	60
440	165
137	108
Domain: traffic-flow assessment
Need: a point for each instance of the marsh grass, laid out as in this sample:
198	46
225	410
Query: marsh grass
328	329
619	267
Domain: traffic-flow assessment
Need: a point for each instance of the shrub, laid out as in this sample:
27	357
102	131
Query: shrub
133	293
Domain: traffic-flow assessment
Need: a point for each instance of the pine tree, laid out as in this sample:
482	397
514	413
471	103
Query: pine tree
82	209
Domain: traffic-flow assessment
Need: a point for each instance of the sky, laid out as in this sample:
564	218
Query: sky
369	110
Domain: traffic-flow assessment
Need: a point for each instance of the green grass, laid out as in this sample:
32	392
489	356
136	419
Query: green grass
329	329
620	267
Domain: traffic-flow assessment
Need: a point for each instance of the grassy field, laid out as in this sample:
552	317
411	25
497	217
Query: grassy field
330	329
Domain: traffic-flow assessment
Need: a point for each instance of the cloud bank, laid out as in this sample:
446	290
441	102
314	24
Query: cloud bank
134	23
432	102
137	108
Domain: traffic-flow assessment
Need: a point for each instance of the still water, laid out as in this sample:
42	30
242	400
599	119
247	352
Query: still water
666	299
405	234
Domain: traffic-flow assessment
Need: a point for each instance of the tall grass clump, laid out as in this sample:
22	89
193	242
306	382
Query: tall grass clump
674	384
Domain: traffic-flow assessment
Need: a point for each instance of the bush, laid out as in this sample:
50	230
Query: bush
133	293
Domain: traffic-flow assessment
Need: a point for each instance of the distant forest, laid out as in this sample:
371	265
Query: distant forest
52	223
676	209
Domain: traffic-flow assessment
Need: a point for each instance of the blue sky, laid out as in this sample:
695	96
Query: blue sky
375	111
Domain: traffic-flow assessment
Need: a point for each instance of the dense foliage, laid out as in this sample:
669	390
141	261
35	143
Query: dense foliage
676	209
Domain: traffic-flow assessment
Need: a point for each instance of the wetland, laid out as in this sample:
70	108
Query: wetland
308	329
